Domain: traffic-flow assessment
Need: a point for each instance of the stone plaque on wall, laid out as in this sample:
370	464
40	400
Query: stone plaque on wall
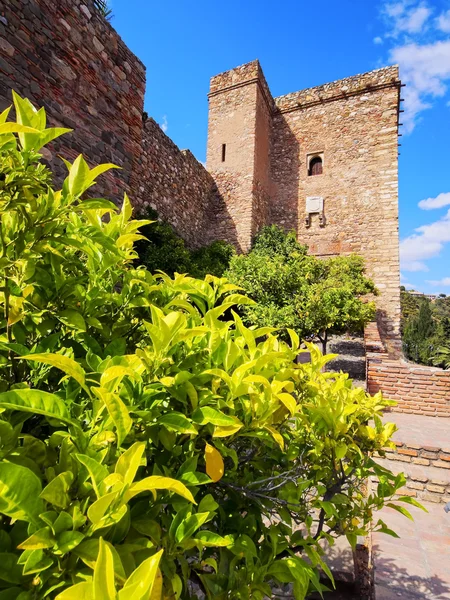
314	204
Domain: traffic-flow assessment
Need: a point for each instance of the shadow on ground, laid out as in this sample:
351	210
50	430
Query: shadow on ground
396	583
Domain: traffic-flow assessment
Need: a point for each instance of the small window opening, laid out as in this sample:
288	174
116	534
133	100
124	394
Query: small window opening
315	166
224	152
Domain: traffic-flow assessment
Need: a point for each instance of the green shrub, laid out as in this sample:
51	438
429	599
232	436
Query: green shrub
164	250
425	328
314	297
149	446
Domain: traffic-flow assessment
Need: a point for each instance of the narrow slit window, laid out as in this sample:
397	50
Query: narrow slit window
224	152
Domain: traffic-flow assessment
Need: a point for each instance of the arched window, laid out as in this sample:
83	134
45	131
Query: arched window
315	166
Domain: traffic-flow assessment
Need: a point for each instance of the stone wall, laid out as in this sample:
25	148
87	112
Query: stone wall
173	182
66	57
353	124
240	108
416	389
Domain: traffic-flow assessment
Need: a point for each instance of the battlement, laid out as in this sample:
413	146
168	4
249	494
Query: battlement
240	76
340	89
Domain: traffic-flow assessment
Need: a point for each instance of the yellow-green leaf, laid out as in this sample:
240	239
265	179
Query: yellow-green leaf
157	482
141	583
16	128
43	538
276	436
79	591
117	411
214	463
56	492
19	493
156	593
61	362
227	431
38	402
103	582
288	401
97	510
129	462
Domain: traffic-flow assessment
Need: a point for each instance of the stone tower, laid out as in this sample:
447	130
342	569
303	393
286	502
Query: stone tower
322	161
238	152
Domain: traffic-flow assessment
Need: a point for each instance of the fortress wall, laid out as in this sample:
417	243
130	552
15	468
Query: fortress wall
175	184
357	135
240	117
66	57
232	123
416	389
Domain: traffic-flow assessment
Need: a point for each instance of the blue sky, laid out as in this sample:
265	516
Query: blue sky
302	44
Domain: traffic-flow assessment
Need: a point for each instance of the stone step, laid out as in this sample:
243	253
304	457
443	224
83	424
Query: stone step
423	482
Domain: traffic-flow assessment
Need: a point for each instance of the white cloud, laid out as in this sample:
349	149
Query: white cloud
427	242
438	202
395	9
425	69
445	281
377	40
407	16
165	125
421	47
443	22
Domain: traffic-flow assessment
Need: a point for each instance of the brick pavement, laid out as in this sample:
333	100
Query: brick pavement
417	565
420	429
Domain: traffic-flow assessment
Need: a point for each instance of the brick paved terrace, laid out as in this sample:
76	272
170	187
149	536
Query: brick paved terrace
415	566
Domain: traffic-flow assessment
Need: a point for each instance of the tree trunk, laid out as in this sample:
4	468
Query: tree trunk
324	341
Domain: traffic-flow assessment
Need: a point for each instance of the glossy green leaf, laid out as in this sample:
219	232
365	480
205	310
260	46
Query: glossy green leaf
129	462
19	493
118	413
97	472
190	525
88	552
103	580
155	482
43	538
64	363
79	591
56	492
140	583
72	318
177	422
205	415
37	402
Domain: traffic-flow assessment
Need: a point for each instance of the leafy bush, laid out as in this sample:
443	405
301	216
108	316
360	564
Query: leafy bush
150	448
425	328
164	250
294	290
442	358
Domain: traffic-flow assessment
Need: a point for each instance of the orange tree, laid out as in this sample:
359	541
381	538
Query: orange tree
294	290
149	445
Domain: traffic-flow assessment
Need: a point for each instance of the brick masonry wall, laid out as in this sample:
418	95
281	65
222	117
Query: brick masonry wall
66	57
426	456
416	389
175	184
428	485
